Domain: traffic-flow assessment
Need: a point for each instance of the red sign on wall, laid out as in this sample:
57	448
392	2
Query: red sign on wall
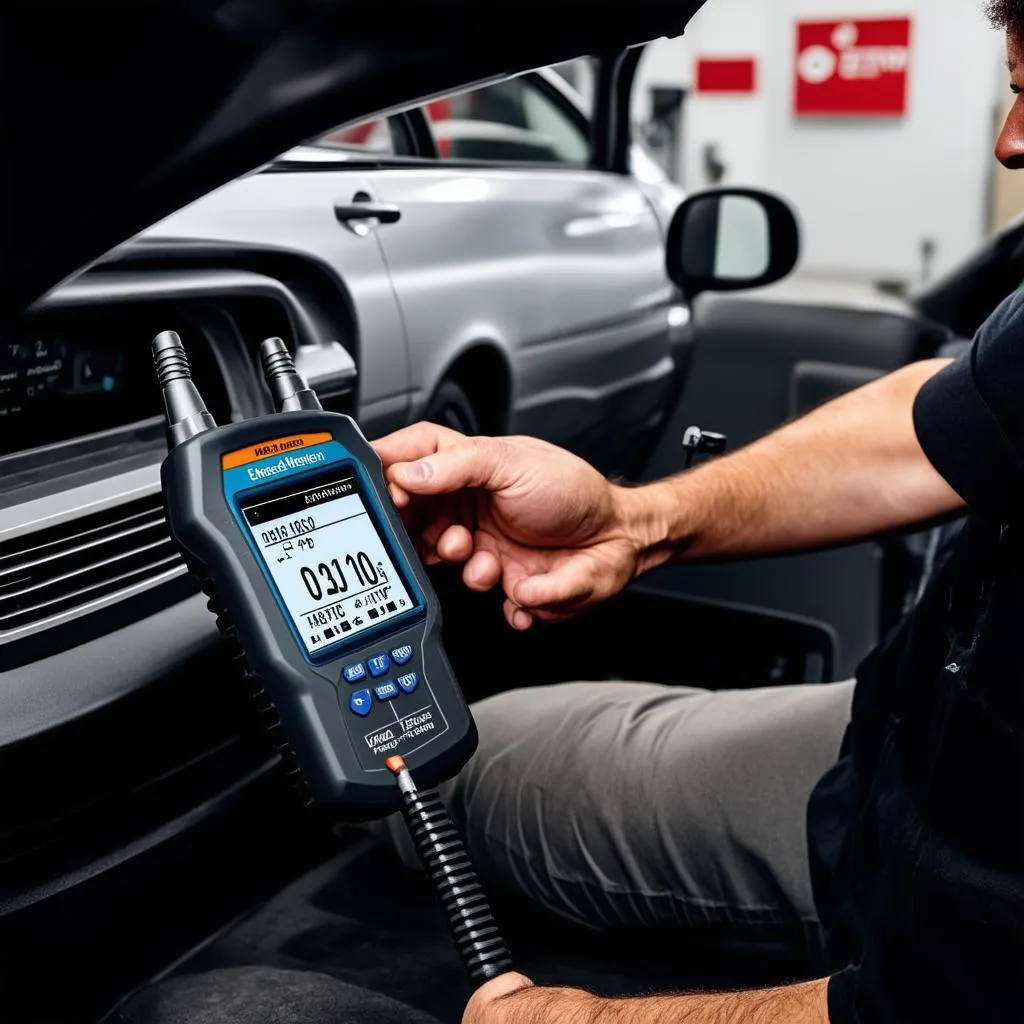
726	74
855	68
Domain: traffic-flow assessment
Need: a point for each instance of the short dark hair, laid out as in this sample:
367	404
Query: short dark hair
1008	14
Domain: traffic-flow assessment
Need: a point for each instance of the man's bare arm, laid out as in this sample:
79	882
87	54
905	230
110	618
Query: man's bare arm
513	999
851	469
793	1004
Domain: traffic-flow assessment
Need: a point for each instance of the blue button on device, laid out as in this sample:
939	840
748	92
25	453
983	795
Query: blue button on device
361	702
402	655
408	682
385	691
354	673
378	665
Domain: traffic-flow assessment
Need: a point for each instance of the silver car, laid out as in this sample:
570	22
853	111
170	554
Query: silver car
499	271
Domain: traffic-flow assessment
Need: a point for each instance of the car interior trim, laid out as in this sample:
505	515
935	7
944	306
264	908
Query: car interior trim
66	506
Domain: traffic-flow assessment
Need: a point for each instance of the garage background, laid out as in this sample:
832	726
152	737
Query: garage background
892	200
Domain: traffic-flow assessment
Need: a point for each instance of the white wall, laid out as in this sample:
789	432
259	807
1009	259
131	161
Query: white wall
736	125
868	191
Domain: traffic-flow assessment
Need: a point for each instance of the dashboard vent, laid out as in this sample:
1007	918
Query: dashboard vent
84	563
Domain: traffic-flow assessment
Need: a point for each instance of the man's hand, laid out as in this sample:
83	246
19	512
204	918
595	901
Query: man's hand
514	999
515	511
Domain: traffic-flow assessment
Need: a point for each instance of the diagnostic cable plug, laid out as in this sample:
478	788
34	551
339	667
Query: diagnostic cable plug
447	864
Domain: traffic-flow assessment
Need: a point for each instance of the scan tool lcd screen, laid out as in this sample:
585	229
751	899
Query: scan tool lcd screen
325	553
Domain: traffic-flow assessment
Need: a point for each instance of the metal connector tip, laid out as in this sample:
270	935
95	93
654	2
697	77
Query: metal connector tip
287	386
186	411
169	358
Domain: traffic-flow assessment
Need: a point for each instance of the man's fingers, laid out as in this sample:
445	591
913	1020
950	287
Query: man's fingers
554	617
471	462
567	583
516	617
482	572
455	545
413	442
439	519
398	496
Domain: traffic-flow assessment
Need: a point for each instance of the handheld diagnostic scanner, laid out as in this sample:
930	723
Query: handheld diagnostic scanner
288	524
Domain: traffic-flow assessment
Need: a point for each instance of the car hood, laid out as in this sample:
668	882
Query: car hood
115	113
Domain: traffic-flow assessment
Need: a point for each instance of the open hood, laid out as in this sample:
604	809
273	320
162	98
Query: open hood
115	113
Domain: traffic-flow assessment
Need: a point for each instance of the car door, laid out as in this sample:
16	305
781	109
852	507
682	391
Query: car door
514	242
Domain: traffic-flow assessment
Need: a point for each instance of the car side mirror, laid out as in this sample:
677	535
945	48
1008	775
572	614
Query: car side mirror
731	239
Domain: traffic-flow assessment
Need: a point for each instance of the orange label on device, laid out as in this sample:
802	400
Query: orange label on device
277	446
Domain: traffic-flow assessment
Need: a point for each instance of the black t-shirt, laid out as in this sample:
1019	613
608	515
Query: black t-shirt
917	835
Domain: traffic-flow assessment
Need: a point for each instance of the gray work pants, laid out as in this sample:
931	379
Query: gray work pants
632	805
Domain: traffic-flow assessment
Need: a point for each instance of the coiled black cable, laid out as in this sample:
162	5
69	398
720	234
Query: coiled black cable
447	864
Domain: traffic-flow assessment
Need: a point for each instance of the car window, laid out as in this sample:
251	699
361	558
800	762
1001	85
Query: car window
513	121
378	136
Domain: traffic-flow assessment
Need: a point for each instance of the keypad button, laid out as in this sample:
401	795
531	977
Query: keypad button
361	702
408	682
385	691
378	665
402	655
354	673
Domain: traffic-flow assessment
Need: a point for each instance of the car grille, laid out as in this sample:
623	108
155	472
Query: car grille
84	563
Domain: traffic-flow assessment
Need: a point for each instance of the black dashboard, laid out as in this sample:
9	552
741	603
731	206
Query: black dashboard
59	381
48	379
104	639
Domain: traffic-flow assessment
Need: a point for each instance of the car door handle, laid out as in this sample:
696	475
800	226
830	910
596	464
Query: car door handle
386	213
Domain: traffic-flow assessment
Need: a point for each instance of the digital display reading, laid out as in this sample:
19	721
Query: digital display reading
324	552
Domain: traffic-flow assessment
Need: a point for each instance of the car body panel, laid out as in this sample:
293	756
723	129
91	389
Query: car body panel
561	270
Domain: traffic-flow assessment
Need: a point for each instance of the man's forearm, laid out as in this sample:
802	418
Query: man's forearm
807	1004
850	469
793	1004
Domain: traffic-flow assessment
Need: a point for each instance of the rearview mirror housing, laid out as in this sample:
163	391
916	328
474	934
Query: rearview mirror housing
731	239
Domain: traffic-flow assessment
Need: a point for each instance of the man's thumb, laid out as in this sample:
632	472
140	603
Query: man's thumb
504	985
473	462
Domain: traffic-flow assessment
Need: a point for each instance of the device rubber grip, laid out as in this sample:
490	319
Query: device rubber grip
463	901
265	708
